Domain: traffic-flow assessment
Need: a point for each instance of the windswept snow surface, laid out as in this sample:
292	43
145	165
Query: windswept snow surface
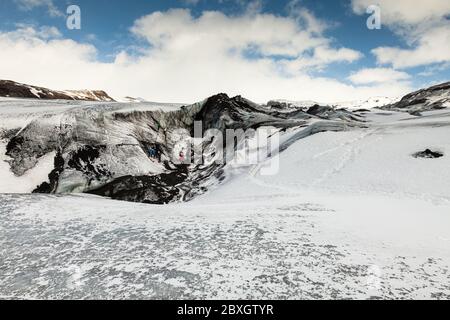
350	215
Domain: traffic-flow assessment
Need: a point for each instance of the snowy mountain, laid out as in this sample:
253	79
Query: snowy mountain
434	98
373	102
19	90
88	95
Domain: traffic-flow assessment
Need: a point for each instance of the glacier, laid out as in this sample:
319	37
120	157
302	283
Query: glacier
351	213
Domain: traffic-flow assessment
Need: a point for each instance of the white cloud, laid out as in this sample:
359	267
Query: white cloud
32	4
213	31
378	75
431	47
423	25
192	58
304	17
216	35
321	57
405	12
42	57
31	33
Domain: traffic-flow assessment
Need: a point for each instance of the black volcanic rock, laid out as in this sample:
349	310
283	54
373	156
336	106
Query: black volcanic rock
158	189
428	154
222	112
317	110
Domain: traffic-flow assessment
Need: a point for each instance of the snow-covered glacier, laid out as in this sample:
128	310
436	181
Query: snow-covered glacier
103	148
351	212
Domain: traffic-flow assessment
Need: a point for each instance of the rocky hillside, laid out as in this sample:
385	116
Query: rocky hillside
13	89
433	98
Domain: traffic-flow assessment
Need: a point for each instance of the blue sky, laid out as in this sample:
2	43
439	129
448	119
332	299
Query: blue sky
342	47
111	27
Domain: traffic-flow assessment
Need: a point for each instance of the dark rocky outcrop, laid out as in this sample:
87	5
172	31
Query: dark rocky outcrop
428	154
318	110
13	89
157	189
433	98
7	134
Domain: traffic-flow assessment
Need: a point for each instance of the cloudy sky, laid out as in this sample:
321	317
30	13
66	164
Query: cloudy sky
186	50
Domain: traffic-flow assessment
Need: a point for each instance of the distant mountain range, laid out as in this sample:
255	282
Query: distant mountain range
373	102
14	89
432	98
435	97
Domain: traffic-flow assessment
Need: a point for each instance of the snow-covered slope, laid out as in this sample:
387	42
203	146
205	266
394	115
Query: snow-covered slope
89	95
373	102
19	90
